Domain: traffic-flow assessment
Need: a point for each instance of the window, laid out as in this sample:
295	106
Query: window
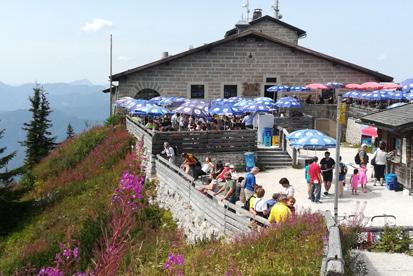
230	90
197	91
272	95
272	79
146	94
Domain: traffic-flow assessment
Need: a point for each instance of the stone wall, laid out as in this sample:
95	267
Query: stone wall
275	30
294	123
195	226
245	61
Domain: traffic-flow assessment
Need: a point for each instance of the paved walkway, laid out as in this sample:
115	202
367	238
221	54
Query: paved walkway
384	264
377	201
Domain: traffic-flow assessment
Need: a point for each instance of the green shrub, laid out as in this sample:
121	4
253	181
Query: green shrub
393	240
114	120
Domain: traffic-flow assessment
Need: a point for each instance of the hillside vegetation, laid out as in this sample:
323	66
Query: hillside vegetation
89	211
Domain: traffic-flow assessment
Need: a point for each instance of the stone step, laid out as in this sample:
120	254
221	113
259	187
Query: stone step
281	153
273	160
268	149
265	168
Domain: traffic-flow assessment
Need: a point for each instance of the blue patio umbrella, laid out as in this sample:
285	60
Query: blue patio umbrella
335	85
132	103
299	88
314	142
377	96
225	110
277	88
196	102
120	102
243	103
158	100
155	110
234	99
397	95
295	135
140	109
263	99
257	107
354	94
288	102
409	96
173	101
219	101
192	110
407	85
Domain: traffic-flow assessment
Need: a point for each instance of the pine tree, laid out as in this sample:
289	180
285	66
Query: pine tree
5	174
38	138
70	133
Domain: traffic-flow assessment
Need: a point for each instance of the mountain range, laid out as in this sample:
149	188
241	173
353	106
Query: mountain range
80	103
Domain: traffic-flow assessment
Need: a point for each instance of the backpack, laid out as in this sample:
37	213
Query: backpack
357	159
343	169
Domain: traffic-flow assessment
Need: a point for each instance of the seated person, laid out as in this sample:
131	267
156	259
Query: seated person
280	211
211	184
290	204
230	189
287	189
189	162
150	124
221	175
219	167
259	206
208	166
270	203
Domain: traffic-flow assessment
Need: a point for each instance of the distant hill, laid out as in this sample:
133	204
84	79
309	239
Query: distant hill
80	103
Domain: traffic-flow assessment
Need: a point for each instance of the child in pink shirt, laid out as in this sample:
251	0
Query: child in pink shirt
355	180
363	177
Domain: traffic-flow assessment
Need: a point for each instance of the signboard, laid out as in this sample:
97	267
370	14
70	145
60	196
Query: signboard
342	114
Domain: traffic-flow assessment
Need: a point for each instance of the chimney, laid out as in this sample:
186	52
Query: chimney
257	14
165	54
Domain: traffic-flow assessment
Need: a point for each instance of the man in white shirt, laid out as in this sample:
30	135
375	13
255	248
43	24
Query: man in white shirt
169	152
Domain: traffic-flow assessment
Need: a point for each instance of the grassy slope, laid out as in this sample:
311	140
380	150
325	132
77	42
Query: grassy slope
73	188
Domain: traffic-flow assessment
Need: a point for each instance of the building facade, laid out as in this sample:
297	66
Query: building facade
245	63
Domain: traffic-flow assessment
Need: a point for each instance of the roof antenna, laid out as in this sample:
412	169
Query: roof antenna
275	7
247	8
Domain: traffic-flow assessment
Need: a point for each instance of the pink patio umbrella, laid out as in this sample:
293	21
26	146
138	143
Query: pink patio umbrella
391	86
353	86
371	86
316	86
369	131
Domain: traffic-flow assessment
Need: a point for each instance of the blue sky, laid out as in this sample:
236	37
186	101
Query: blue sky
52	41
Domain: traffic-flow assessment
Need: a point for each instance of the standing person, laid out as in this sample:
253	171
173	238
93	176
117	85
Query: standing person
169	151
363	177
354	180
379	163
307	176
230	189
315	181
288	189
361	155
247	121
175	121
327	167
250	183
208	166
341	177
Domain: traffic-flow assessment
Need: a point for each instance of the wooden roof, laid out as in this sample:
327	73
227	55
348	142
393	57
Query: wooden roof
398	119
207	47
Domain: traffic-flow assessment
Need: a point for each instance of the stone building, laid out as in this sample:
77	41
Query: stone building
249	59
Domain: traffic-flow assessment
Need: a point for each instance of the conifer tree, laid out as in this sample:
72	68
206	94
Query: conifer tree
38	138
5	174
70	133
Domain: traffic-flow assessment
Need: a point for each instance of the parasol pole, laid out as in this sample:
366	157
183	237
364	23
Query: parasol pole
338	139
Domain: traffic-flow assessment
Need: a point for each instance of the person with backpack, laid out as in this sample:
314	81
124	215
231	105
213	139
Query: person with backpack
361	156
341	177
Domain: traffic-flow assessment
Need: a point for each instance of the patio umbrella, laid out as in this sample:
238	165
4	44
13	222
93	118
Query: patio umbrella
391	86
133	103
395	105
298	88
196	102
173	101
288	102
407	85
377	96
409	96
277	88
234	99
263	99
314	142
140	109
192	110
371	86
257	107
157	100
369	131
154	110
334	85
225	110
243	103
353	86
354	94
397	95
123	100
316	86
295	135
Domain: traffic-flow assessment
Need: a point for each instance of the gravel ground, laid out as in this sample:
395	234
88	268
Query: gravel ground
385	264
377	200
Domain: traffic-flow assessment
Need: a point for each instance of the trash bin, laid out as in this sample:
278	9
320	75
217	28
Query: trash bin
249	158
391	181
275	140
267	136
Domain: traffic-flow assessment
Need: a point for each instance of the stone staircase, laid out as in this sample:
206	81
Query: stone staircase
272	158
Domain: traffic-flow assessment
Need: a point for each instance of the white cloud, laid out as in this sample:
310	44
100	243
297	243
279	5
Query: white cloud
96	25
124	58
382	57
